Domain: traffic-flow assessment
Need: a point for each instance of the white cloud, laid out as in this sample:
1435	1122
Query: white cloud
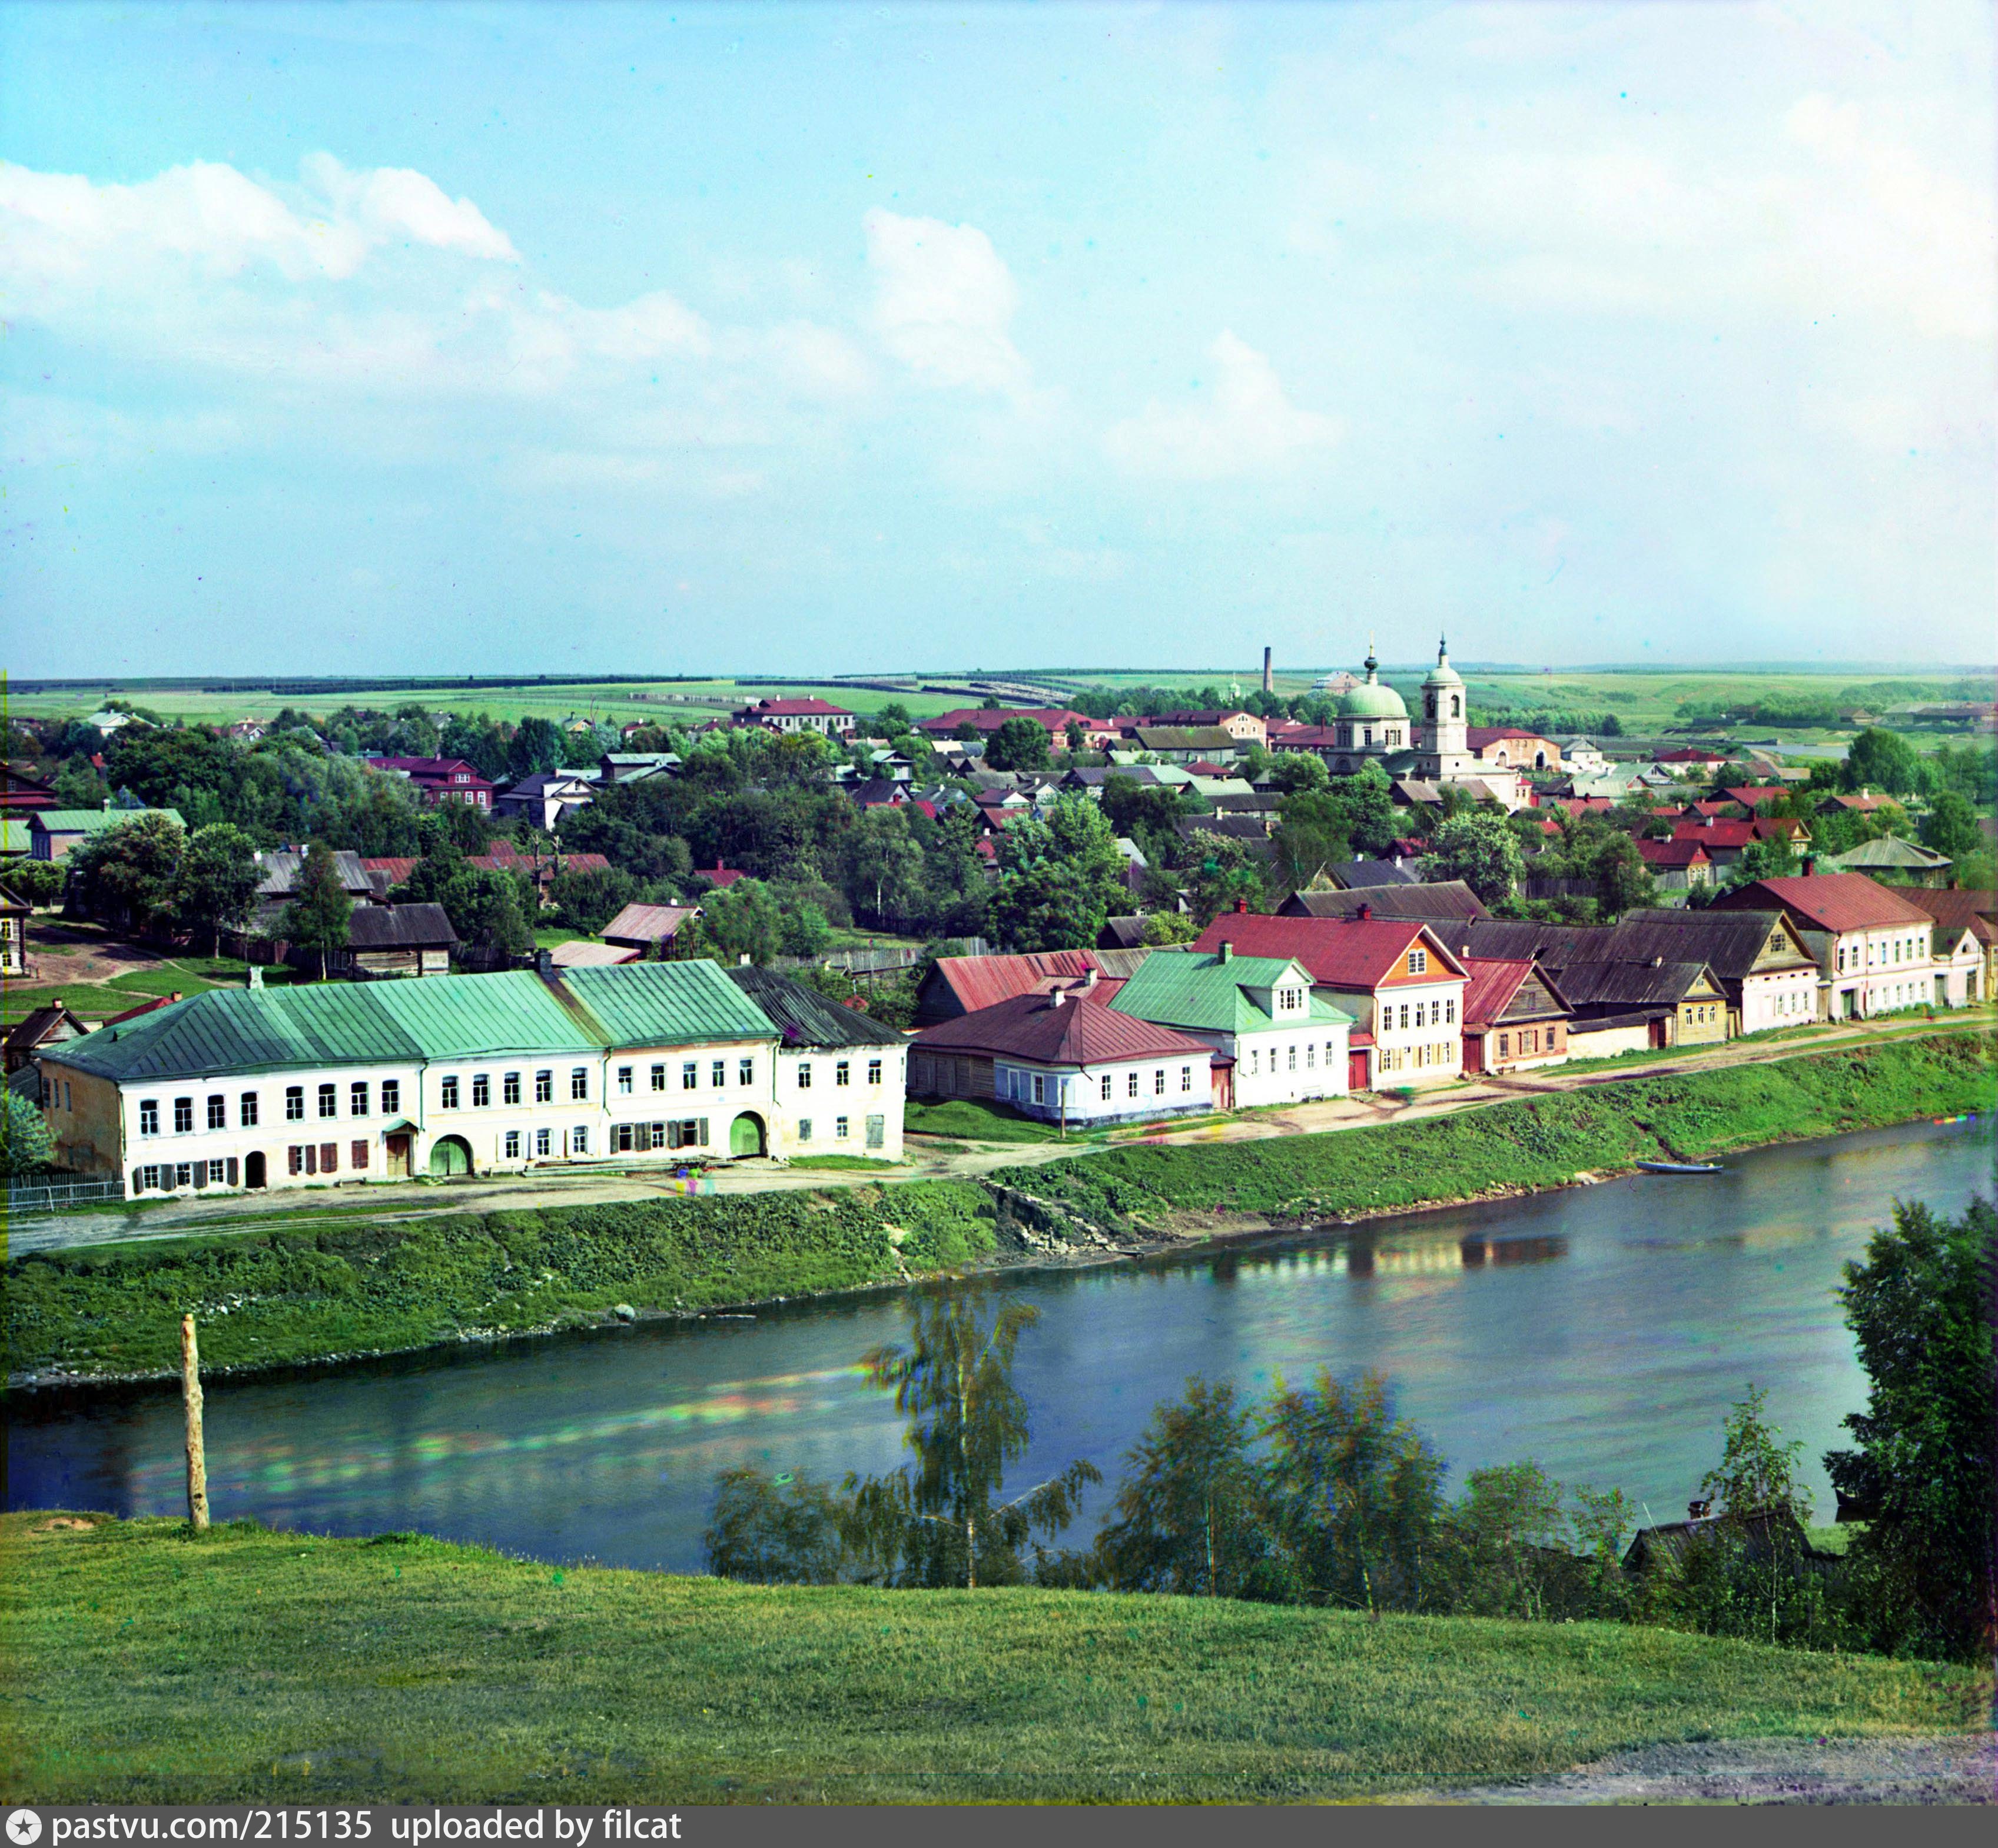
397	204
944	301
1243	424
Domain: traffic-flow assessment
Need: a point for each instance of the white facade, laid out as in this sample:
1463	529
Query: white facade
1417	1032
1878	970
1782	997
1113	1092
840	1101
1290	1064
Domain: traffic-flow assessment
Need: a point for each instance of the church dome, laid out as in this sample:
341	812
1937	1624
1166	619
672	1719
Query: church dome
1370	699
1442	674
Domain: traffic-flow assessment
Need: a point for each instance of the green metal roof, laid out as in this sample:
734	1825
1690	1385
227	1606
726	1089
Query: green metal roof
467	1017
94	821
1176	989
667	1003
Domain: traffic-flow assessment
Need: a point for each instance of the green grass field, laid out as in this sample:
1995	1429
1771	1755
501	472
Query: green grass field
139	1664
978	1122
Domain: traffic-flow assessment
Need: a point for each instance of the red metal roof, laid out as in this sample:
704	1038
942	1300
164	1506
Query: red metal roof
1688	754
1753	798
1354	953
1059	1029
798	708
978	982
1715	834
1493	982
1055	719
1672	853
1828	901
398	869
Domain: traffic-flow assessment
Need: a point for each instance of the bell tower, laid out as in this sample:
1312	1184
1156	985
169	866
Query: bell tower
1445	725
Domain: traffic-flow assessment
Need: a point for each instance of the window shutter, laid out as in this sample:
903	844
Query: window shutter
700	1134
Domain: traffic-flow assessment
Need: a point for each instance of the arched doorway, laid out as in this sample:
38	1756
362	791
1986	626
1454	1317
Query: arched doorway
745	1134
449	1156
253	1169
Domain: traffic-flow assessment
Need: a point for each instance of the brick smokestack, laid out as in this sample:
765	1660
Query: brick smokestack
1269	683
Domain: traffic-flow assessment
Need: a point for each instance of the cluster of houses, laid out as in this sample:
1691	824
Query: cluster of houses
1404	986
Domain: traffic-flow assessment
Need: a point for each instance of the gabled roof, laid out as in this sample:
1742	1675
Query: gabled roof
1209	992
1647	984
1441	898
399	927
1352	953
28	1034
1354	874
803	1017
577	953
1673	855
1974	911
1731	943
92	821
797	709
648	923
1552	946
1494	983
978	982
1899	855
1185	738
664	1003
1715	834
281	866
1058	1029
1827	901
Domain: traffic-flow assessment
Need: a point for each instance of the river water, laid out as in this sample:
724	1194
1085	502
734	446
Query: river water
1602	1331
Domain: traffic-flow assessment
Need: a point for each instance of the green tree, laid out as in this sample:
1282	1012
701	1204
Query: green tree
1479	848
1366	800
587	901
1224	873
536	746
1771	859
891	720
130	873
1192	1513
1951	826
1921	1308
217	887
1293	771
77	785
1311	835
1019	745
317	917
939	1520
1757	1474
1356	1493
1059	877
884	866
25	1146
1163	928
1879	759
742	920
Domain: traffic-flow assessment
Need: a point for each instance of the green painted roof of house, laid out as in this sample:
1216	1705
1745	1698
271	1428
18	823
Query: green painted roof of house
1210	993
467	1017
667	1003
94	821
1888	851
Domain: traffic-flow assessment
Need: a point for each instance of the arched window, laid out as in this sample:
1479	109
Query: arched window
1455	712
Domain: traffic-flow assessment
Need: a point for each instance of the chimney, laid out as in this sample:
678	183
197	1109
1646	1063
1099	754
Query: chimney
1269	682
742	960
256	978
1242	907
1365	913
1055	997
1810	865
1227	951
1089	978
545	965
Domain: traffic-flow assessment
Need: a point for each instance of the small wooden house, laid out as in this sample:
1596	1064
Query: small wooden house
396	940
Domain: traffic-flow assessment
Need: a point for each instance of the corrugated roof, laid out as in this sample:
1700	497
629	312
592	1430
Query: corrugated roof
1633	984
1552	946
1714	834
665	1004
1975	911
579	955
92	821
1729	942
977	981
1059	1030
805	1018
1351	952
1900	855
1439	899
648	923
399	927
1192	988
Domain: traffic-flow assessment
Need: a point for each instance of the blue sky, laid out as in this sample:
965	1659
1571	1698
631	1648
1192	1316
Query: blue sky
679	339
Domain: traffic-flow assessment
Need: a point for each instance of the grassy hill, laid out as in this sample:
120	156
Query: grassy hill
139	1664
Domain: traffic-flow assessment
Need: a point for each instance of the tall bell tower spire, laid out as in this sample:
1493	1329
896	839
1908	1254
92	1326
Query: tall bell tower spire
1446	729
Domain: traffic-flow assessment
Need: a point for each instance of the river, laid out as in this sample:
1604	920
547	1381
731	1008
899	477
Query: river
1601	1330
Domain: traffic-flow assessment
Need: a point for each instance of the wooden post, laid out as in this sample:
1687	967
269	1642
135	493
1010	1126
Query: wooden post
197	1454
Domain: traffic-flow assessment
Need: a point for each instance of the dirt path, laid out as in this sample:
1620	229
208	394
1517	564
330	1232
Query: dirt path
237	1213
1937	1768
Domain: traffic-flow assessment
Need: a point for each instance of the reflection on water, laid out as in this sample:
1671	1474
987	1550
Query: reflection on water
1603	1330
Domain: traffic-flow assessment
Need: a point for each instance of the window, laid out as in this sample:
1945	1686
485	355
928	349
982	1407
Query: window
873	1071
1450	1012
690	1075
1186	1078
184	1174
448	1094
392	1095
295	1158
578	1082
1159	1082
541	1142
842	1073
805	1074
1106	1087
1405	1013
246	1114
357	1100
148	1177
745	1070
659	1078
510	1088
579	1140
544	1088
1505	1046
718	1073
1419	962
877	1131
218	1111
1310	1055
804	1129
183	1115
839	1129
624	1081
1293	1060
481	1091
358	1157
1131	1086
1040	1088
1421	1019
512	1144
149	1117
329	1100
1255	1060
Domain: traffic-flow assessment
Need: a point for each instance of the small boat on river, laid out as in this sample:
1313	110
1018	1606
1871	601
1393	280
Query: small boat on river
1680	1167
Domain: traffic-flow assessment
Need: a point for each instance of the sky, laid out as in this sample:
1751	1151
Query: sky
804	339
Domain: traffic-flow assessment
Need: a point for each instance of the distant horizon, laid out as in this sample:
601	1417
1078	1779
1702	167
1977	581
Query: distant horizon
848	333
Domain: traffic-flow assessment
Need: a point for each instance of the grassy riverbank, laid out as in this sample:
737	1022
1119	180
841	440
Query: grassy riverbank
312	1290
1513	1147
138	1664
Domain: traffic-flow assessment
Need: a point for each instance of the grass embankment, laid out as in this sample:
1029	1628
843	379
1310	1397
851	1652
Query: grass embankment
312	1290
140	1664
1543	1143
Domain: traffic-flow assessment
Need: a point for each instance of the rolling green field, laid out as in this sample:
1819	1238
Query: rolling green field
140	1663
